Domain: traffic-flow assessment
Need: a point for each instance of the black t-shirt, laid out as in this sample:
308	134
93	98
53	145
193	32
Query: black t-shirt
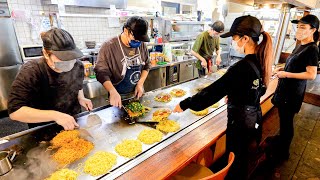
56	91
239	83
290	92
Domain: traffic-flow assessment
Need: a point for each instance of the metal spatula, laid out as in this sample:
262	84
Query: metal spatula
84	134
93	118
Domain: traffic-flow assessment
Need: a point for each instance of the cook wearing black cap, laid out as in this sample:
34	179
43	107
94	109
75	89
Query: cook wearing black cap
243	84
300	66
205	45
123	62
50	89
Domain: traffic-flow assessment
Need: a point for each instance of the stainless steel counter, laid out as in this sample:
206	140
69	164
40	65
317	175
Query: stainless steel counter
174	63
91	80
34	162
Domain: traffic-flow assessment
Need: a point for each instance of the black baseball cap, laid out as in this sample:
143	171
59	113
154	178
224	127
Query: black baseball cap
61	43
310	19
245	25
139	28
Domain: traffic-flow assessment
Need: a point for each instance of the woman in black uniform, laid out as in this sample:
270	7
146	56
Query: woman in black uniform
243	83
300	66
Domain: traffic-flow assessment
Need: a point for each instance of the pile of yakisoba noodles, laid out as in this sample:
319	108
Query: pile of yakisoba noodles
150	136
100	163
63	174
71	147
200	113
129	148
168	126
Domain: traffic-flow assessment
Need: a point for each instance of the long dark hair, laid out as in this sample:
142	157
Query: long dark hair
316	35
264	52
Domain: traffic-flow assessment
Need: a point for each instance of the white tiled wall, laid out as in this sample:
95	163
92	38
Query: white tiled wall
81	28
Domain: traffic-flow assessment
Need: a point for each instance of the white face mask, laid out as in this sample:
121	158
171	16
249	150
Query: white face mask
235	46
302	34
64	66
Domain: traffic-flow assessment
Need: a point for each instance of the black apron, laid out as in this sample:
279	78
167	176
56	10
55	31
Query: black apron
131	73
246	117
290	92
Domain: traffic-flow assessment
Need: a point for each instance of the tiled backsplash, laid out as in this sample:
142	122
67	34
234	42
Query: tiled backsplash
81	28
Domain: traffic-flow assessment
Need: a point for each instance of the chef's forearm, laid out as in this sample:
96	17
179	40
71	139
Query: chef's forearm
218	52
109	86
143	77
81	94
31	115
197	55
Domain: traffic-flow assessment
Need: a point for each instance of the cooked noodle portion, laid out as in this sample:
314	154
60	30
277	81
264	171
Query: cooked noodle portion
168	126
129	148
100	163
64	137
63	174
200	113
76	149
150	136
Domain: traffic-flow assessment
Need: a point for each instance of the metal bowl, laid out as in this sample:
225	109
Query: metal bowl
90	44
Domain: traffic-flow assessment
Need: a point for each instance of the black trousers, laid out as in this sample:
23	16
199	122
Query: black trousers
286	129
238	142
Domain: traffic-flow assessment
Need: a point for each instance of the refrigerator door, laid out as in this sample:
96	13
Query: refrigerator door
9	48
7	76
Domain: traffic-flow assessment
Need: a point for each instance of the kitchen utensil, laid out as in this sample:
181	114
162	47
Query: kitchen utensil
84	134
92	117
148	123
159	107
5	161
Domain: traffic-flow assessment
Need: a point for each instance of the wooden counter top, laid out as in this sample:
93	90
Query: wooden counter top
175	156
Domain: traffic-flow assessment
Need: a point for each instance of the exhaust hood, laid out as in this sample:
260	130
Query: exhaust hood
120	4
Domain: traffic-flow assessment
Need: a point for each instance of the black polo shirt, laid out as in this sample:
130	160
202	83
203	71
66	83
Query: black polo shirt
239	84
290	92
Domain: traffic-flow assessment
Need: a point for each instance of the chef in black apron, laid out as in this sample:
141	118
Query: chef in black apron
300	66
243	83
123	62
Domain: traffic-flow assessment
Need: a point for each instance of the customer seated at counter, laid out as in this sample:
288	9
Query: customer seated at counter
123	62
205	45
50	89
243	84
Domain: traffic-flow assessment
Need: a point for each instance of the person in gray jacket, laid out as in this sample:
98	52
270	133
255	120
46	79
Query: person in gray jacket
123	62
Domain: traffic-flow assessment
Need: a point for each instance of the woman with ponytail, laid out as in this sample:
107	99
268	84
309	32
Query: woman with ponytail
300	66
244	83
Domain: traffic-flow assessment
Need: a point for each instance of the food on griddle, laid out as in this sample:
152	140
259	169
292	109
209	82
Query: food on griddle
100	163
200	113
221	71
64	137
136	109
150	136
129	148
163	97
168	126
72	151
201	87
161	114
178	92
216	105
63	174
